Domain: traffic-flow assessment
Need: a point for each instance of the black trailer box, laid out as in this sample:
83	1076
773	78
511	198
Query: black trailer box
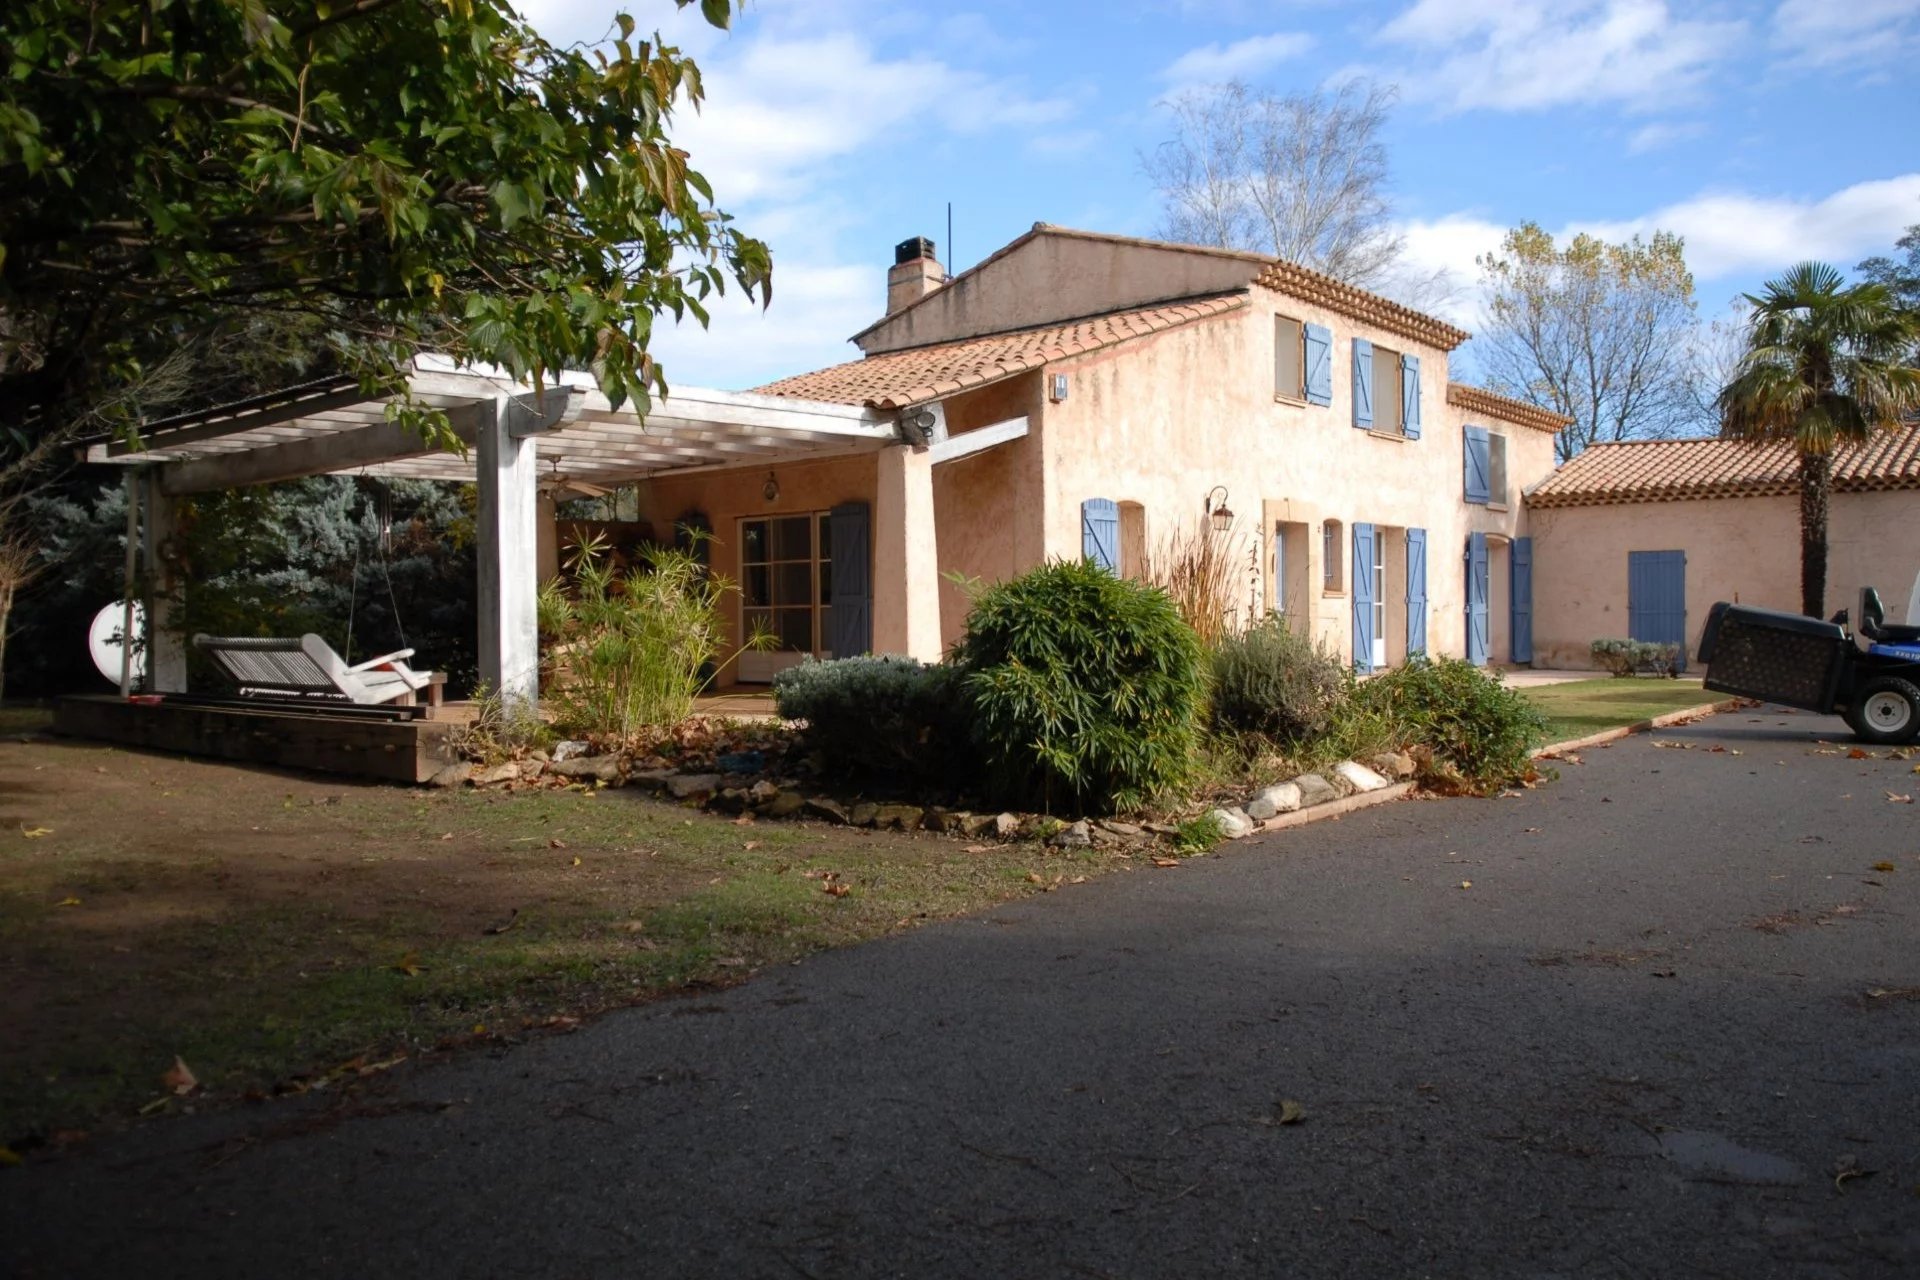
1776	657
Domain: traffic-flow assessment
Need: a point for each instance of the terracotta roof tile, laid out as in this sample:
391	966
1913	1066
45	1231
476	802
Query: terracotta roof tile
1506	408
896	379
1310	286
1668	470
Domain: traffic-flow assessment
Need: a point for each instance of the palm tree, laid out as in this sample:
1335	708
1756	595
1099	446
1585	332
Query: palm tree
1826	364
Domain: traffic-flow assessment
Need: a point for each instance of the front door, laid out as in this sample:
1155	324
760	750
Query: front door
1657	598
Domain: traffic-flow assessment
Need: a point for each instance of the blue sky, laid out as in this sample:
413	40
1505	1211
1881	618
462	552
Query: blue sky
1764	133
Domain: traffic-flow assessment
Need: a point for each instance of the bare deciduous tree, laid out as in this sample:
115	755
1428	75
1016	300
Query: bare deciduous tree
1302	177
1603	333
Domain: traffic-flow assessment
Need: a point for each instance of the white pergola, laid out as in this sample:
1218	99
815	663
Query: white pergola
517	438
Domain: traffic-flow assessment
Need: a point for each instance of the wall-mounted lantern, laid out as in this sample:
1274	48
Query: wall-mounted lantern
1218	513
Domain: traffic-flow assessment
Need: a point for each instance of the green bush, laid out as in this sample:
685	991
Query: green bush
632	651
1629	657
1276	683
1085	690
890	718
1484	730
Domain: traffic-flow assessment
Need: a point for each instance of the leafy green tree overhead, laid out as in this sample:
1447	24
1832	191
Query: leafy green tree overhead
1826	364
397	173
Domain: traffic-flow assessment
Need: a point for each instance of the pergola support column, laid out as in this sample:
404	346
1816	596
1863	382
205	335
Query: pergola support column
508	475
906	556
166	646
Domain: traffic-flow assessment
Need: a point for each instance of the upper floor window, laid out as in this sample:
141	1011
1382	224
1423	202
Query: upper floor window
1496	469
1289	360
1333	553
1387	401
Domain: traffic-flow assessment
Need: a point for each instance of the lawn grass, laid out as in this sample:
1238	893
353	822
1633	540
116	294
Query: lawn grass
1582	708
277	931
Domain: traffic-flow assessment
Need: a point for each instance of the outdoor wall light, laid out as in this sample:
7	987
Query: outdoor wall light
1219	513
772	488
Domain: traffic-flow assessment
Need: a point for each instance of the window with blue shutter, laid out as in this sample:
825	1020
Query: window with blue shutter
1410	397
1520	593
1319	365
1479	490
1100	533
1363	631
1416	592
1363	384
850	596
1478	640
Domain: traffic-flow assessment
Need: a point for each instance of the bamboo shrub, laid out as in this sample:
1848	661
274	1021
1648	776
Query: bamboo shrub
1204	570
633	650
19	562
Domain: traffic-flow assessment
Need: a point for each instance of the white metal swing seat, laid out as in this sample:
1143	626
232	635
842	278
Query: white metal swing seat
309	668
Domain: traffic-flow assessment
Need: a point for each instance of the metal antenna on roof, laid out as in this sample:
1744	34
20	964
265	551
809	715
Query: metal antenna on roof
951	260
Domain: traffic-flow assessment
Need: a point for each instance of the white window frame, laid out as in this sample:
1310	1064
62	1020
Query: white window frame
1298	395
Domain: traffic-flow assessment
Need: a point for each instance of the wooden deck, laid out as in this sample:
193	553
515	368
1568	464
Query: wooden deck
408	751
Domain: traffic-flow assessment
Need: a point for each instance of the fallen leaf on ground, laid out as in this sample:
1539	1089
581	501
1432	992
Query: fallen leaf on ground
511	922
556	843
750	845
9	1157
1290	1112
1884	865
576	861
1166	862
834	889
1846	1169
408	964
179	1078
977	848
1859	753
1893	993
68	902
447	836
34	833
1896	798
1034	877
1466	884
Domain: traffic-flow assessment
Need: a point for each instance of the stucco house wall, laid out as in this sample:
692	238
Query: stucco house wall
1162	420
1744	549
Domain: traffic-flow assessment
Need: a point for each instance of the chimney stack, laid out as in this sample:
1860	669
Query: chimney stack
915	273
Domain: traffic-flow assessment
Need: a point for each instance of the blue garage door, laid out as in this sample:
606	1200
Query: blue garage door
1657	598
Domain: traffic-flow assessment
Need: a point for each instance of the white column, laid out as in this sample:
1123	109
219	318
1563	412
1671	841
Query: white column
166	647
906	556
509	552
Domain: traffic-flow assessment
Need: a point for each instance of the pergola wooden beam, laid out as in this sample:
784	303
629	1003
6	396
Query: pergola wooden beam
314	455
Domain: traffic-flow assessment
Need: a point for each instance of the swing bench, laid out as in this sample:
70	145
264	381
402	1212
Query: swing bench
307	671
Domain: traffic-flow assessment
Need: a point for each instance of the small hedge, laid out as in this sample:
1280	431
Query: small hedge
1485	731
886	718
1631	657
1275	683
1085	690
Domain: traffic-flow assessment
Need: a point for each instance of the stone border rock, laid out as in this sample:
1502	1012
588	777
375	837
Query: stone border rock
1303	798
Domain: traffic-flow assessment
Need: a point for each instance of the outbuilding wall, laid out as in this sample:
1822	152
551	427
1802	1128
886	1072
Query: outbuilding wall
1739	549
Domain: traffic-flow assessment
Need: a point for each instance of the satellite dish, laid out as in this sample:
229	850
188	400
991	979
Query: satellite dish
105	641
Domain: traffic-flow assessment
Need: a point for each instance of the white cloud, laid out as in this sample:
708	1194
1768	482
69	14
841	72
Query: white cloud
1828	33
1661	134
1735	233
1217	64
1727	234
1526	55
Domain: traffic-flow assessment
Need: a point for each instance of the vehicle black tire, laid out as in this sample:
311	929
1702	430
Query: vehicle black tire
1886	711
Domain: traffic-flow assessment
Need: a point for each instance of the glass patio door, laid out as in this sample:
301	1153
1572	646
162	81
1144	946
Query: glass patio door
786	581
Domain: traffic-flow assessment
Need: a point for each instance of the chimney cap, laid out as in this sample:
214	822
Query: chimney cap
911	250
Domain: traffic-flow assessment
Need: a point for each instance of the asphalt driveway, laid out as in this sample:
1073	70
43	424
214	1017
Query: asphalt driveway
1661	1018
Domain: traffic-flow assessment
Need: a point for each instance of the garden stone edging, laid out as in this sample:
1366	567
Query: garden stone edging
1348	785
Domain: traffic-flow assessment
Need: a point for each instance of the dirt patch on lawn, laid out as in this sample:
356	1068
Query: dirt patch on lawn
262	925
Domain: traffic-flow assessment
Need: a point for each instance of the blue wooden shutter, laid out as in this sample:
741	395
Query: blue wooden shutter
1478	490
1410	396
1100	533
1520	594
1363	598
851	621
1416	592
1319	342
1657	598
1363	384
1478	645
